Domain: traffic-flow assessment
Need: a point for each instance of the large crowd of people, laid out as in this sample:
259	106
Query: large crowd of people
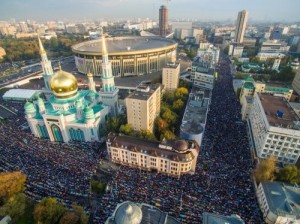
222	183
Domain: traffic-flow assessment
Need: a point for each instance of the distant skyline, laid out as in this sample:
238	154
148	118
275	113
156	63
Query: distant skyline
215	10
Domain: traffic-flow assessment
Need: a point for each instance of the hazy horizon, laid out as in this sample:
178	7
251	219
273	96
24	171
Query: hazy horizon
213	10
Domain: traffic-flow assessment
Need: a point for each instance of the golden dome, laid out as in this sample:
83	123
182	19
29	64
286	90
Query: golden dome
63	84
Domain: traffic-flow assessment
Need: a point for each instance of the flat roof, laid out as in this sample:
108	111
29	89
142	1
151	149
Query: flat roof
144	92
211	218
272	104
21	94
123	44
195	111
283	199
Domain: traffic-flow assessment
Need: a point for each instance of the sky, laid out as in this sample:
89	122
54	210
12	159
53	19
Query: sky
206	10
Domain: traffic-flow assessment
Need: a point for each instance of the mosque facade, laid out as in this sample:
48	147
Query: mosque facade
68	114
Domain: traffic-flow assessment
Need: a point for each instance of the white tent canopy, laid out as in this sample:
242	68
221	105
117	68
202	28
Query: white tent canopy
21	94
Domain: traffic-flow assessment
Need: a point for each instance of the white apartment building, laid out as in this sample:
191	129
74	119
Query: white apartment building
208	54
143	106
170	76
203	77
175	157
279	202
274	128
246	106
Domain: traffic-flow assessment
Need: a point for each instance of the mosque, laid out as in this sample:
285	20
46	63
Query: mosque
68	113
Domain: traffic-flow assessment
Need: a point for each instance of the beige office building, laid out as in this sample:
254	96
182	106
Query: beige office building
241	26
143	106
170	76
174	157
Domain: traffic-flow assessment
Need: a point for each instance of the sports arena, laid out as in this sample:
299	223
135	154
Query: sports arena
128	55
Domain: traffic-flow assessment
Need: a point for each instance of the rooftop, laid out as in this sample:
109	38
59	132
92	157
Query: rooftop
21	94
171	65
144	92
272	105
211	218
248	85
123	44
283	199
196	111
158	149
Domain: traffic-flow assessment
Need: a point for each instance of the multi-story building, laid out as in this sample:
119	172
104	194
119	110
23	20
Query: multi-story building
236	50
170	76
163	20
241	26
135	213
195	115
24	27
143	106
296	83
246	106
250	87
274	128
208	54
279	202
274	47
203	76
175	157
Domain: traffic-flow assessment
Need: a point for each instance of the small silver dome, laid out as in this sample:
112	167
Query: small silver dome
128	213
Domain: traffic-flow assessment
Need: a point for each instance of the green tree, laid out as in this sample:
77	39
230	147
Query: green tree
146	134
69	218
15	206
48	211
11	183
168	97
168	135
81	214
170	117
113	124
98	187
178	106
289	174
265	170
76	216
127	129
181	93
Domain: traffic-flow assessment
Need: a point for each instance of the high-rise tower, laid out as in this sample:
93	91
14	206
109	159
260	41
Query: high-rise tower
108	93
46	65
241	26
163	20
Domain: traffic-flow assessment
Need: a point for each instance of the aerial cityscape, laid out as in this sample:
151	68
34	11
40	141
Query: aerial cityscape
153	112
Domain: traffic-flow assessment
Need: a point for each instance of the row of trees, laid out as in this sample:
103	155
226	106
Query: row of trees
13	202
266	171
27	48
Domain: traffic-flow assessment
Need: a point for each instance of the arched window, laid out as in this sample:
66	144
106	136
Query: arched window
56	133
72	134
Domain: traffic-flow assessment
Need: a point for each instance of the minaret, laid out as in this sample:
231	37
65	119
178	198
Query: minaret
92	85
108	93
46	65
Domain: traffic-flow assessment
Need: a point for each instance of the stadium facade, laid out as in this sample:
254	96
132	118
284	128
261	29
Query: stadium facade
129	56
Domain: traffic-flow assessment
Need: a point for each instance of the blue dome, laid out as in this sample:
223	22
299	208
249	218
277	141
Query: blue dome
29	108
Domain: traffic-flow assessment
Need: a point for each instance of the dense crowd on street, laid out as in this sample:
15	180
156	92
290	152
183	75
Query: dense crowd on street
222	183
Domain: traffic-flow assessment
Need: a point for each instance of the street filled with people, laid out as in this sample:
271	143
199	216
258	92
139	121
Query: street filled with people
222	183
